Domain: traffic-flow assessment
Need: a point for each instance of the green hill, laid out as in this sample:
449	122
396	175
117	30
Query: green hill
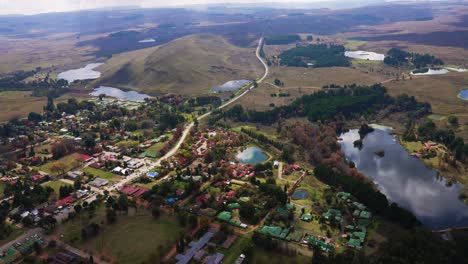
190	65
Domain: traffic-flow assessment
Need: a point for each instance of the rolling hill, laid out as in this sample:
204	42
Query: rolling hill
190	65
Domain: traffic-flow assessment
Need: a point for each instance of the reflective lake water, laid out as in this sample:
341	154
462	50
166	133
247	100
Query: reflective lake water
231	86
406	180
365	55
252	155
85	73
431	72
299	195
463	94
120	94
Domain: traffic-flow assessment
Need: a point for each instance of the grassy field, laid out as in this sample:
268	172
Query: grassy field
2	188
441	92
55	185
266	257
138	231
16	233
102	174
15	104
190	65
58	50
69	161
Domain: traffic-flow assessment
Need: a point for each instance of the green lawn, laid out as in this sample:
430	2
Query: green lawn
16	233
158	146
2	188
55	185
69	161
134	238
102	174
262	256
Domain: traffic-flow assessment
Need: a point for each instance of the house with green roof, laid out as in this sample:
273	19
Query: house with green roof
306	217
313	241
275	231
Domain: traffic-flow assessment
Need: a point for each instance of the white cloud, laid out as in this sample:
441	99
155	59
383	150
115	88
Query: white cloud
44	6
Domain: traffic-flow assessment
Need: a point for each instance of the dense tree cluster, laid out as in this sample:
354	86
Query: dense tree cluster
396	57
324	105
282	39
320	55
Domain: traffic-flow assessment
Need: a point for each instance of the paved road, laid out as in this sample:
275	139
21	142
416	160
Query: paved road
145	169
21	238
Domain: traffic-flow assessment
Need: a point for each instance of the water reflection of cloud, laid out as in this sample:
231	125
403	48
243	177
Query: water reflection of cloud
406	180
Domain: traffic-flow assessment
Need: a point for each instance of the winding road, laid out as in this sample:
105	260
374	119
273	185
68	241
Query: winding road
188	127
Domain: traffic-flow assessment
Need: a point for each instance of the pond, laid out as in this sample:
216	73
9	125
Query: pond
148	40
436	117
365	55
463	94
252	155
406	180
85	73
119	94
457	69
231	86
300	195
430	72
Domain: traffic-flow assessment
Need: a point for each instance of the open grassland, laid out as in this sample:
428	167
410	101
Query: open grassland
102	174
190	65
15	104
137	231
56	51
441	92
2	188
69	161
300	81
266	257
56	185
18	104
16	233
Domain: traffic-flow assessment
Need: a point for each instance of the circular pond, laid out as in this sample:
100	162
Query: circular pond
300	195
252	155
463	94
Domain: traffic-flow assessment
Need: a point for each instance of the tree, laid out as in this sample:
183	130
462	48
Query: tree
37	248
78	208
58	168
453	121
35	117
89	140
155	212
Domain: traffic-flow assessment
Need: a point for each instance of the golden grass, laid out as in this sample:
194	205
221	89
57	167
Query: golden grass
190	65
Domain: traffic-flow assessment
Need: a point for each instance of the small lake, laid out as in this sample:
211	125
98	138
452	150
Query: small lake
406	180
231	86
431	72
148	40
252	155
457	69
463	94
85	73
300	195
365	55
119	94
